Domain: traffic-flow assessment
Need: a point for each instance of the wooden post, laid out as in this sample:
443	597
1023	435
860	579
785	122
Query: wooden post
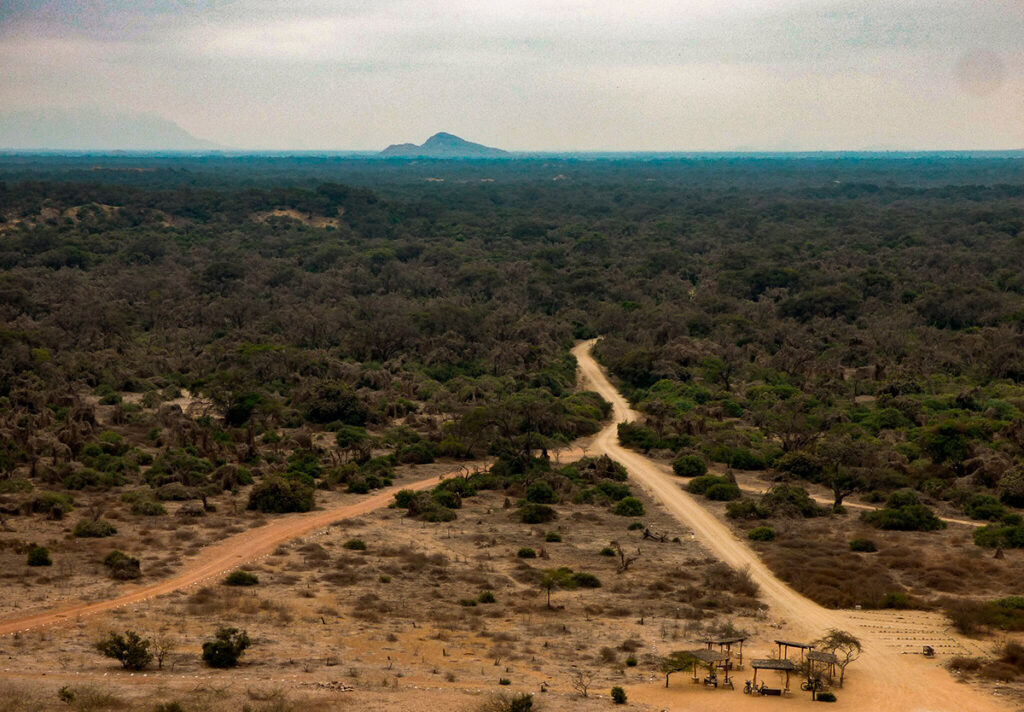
755	677
787	680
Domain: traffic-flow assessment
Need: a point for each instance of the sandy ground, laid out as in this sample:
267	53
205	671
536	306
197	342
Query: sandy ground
885	678
889	676
216	560
231	552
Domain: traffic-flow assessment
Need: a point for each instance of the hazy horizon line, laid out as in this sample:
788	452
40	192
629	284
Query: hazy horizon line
511	154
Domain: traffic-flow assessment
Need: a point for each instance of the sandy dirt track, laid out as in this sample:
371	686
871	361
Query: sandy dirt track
748	484
234	551
883	679
218	558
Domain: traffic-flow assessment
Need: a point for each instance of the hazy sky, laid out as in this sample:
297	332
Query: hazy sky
534	74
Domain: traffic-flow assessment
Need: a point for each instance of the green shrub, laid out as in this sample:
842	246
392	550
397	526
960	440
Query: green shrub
1002	536
241	578
784	500
533	513
404	498
800	464
863	545
94	528
467	602
419	453
761	534
723	492
746	509
358	485
700	485
122	567
903	513
631	661
689	466
175	492
487	597
585	580
736	457
526	553
334	401
355	545
14	486
612	490
504	681
541	492
93	479
279	495
553	537
640	437
447	498
825	697
896	600
179	467
633	526
618	696
131	649
984	507
147	508
226	648
607	551
56	504
39	556
629	507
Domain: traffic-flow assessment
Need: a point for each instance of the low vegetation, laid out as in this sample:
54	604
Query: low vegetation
226	648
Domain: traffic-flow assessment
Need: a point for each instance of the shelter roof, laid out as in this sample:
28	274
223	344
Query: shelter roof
774	664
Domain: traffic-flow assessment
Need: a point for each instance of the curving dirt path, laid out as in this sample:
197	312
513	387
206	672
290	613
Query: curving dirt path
881	680
232	552
753	486
216	559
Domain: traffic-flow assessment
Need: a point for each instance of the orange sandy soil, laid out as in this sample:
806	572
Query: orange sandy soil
388	624
885	677
388	621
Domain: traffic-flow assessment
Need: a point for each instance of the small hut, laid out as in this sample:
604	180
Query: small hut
785	645
821	663
713	659
725	645
781	665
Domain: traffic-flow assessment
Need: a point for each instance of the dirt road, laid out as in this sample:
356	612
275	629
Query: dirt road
882	680
215	560
754	486
230	553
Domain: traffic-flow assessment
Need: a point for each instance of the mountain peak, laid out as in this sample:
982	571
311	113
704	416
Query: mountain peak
443	145
85	129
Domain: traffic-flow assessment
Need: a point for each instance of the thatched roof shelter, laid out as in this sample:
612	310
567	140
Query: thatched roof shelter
709	656
785	645
827	661
726	643
780	664
774	664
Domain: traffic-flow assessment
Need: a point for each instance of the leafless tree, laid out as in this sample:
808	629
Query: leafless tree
581	680
626	561
164	643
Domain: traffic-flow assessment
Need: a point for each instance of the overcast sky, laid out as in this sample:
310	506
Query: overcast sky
534	74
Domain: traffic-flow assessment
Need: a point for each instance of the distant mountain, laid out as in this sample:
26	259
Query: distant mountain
443	145
90	130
